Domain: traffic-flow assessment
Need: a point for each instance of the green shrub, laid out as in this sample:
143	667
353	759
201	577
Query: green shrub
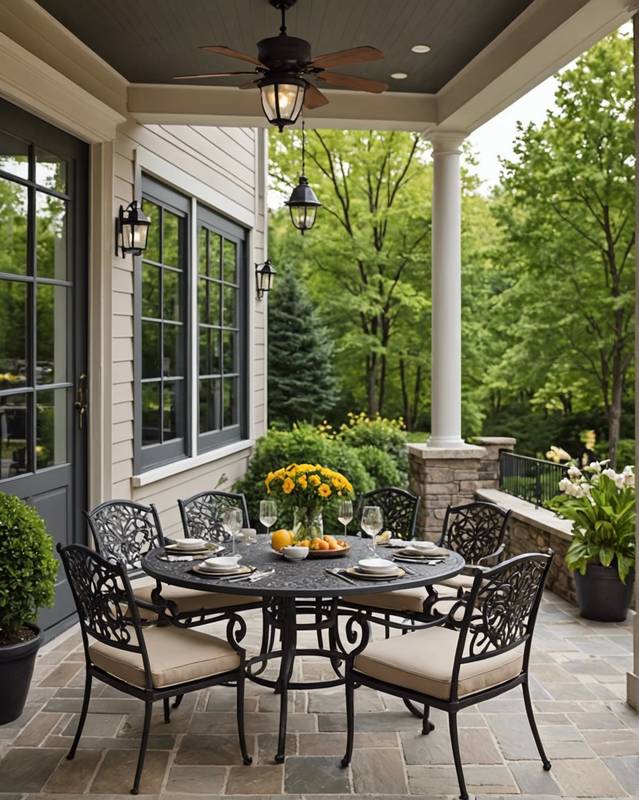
380	466
28	566
384	434
302	444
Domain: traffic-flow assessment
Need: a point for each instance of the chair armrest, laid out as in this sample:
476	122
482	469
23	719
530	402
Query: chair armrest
492	556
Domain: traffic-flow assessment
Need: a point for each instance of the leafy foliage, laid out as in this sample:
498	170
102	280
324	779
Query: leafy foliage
382	434
28	566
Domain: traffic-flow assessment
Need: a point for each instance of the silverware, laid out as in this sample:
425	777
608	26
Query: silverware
408	571
258	577
340	574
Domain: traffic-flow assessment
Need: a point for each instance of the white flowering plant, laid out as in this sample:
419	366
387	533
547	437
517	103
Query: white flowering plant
601	505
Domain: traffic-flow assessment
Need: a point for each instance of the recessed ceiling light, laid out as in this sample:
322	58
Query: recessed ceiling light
420	48
399	76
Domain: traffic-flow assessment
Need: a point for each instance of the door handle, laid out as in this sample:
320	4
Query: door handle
80	403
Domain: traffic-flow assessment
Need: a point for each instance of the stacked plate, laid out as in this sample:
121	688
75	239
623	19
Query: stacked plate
193	547
375	569
221	566
420	551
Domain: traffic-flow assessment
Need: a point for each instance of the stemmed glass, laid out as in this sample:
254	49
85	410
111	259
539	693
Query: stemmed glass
232	523
268	514
372	522
345	514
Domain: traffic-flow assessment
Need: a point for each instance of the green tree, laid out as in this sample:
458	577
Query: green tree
567	211
301	376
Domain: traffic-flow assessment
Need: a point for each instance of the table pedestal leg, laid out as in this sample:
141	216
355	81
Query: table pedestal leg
288	630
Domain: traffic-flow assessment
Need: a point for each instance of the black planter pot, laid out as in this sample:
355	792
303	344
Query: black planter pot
601	595
16	668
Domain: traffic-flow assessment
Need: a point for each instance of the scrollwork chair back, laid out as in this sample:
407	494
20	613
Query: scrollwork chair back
125	531
501	610
399	508
476	531
202	514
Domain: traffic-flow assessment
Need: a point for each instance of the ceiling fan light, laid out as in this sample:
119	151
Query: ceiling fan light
282	100
303	205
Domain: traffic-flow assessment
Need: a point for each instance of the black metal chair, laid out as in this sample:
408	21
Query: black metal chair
479	650
399	507
150	663
202	514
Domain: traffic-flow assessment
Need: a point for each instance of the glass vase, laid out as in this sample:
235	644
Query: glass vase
307	525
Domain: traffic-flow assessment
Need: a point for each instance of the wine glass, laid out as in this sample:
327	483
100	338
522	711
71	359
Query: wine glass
372	522
345	514
268	513
232	522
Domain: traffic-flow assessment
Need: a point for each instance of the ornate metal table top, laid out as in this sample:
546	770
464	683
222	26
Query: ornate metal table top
306	578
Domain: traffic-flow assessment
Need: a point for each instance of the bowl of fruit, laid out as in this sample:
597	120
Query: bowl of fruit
326	547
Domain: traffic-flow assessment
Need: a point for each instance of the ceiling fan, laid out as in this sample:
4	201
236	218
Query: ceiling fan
283	70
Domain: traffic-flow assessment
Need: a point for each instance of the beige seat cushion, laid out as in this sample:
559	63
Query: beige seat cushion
175	655
409	600
188	599
465	581
423	661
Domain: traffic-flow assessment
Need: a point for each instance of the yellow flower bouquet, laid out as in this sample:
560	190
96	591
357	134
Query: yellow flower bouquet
307	489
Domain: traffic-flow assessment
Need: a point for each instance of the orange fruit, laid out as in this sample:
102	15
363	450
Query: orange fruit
322	544
314	545
281	538
330	539
304	543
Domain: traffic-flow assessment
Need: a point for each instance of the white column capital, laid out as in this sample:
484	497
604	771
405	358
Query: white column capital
446	142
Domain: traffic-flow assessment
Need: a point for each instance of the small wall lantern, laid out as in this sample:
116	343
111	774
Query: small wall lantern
264	278
131	230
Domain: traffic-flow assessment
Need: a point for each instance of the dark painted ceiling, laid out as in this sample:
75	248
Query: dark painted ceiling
150	41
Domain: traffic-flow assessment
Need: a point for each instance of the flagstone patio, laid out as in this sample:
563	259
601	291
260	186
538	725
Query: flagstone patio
591	735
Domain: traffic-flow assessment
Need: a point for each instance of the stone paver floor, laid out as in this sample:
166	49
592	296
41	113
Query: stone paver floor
591	735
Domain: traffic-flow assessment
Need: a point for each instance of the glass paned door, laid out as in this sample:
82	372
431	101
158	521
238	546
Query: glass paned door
42	326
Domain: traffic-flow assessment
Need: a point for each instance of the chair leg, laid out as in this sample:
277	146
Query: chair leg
178	701
454	739
83	714
427	725
246	758
167	710
148	709
386	627
350	720
533	726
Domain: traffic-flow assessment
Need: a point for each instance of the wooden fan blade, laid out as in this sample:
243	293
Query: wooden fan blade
249	85
221	50
355	55
314	98
210	75
352	82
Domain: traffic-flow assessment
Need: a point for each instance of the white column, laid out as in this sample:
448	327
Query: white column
446	292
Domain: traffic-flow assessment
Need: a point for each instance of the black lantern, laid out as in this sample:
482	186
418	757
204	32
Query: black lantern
264	278
282	99
303	202
131	230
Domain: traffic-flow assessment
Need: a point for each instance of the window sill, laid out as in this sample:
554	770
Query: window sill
168	470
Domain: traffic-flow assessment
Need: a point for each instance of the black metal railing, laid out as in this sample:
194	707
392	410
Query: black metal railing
531	479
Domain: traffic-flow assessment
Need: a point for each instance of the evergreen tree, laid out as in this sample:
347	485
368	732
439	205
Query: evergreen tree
301	377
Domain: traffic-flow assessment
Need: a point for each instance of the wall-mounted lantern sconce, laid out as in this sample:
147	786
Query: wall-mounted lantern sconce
264	278
131	230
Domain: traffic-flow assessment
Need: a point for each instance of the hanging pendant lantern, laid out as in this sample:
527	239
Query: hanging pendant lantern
303	202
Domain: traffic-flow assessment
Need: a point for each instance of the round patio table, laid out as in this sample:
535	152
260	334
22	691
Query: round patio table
297	589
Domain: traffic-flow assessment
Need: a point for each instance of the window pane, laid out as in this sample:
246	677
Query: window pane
151	349
229	340
51	334
52	413
230	402
215	255
209	405
173	347
230	306
51	171
202	251
151	291
172	294
171	243
51	233
13	334
173	391
14	155
230	261
13	435
13	227
152	211
150	413
209	301
209	351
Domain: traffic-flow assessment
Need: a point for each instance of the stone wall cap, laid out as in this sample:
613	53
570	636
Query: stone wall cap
539	517
495	440
427	453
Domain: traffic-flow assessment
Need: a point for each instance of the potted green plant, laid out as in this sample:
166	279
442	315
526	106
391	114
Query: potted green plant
601	504
28	569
